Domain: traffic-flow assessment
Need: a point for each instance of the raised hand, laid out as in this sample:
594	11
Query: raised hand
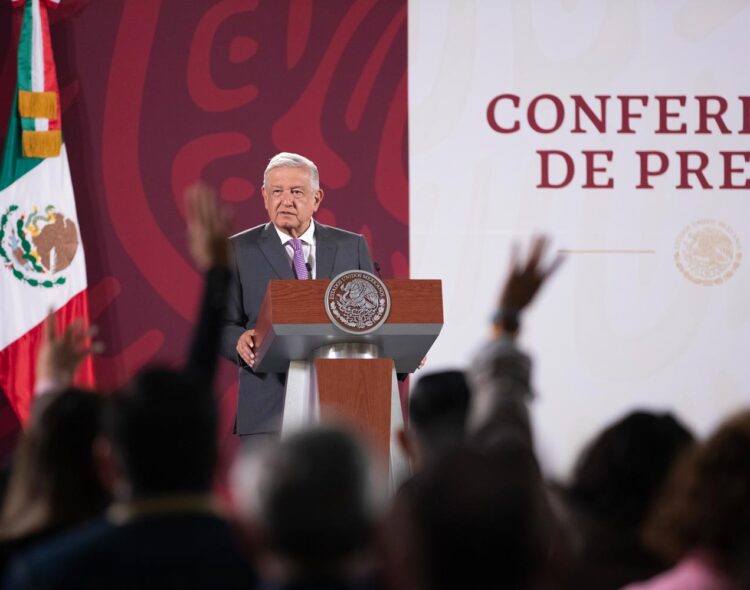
524	280
208	227
60	355
526	277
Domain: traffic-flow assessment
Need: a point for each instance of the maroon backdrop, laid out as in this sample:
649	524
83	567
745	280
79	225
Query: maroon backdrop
159	93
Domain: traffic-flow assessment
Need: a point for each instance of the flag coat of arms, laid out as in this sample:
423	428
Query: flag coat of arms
42	266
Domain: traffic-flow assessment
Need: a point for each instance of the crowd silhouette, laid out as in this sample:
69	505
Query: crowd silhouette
116	490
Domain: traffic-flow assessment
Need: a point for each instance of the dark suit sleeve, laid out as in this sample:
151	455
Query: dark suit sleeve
234	321
18	576
501	385
365	261
208	329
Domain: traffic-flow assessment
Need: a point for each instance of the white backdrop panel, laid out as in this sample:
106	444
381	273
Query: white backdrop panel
621	327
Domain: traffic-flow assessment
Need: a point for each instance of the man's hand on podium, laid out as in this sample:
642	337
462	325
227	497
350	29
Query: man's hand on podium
246	347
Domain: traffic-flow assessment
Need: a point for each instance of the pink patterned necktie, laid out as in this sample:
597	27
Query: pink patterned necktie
300	269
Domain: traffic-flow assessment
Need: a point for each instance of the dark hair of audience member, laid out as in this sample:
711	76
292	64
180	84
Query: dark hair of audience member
438	406
54	481
314	501
479	519
619	474
706	503
162	427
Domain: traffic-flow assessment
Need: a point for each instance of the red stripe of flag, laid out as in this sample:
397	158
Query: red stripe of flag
18	359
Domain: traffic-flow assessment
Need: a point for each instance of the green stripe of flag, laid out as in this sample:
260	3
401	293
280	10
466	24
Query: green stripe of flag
24	58
24	49
14	165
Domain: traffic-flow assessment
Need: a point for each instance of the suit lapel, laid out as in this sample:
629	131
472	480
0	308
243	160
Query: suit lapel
325	252
275	253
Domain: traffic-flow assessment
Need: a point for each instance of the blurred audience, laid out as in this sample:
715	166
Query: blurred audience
478	513
614	484
479	516
54	484
474	519
438	407
702	519
313	510
156	454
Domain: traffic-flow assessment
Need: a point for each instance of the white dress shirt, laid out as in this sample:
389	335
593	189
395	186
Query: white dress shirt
308	246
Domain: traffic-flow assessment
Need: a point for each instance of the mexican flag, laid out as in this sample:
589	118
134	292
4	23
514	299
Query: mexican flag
42	266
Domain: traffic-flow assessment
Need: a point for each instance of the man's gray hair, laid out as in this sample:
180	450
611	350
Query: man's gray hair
289	160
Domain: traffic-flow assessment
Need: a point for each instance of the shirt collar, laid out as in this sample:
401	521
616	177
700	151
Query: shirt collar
308	237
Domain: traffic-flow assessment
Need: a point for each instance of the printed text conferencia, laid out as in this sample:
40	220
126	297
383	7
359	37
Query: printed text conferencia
630	115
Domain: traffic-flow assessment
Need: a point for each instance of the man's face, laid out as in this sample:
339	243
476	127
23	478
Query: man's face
290	199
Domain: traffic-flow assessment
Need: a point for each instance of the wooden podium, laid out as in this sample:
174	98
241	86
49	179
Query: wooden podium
350	376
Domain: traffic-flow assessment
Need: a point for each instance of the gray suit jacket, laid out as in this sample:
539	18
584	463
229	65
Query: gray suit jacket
258	258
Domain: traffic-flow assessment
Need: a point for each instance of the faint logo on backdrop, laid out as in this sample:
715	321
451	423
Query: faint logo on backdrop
708	252
35	245
357	301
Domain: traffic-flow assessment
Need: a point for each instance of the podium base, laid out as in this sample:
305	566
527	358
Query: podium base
360	392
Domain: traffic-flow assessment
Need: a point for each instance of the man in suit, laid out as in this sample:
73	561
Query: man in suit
291	246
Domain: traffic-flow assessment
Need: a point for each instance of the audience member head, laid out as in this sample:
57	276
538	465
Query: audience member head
54	482
162	432
622	470
314	508
706	502
438	407
474	519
